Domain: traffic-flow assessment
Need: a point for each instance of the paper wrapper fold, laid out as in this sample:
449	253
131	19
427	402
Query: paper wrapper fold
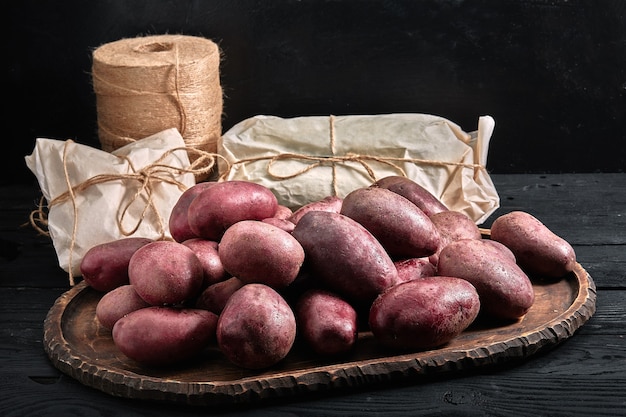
305	159
120	196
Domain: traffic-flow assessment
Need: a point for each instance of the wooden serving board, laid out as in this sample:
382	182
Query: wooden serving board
78	346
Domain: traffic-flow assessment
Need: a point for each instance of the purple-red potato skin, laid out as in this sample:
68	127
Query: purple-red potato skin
105	266
166	272
414	268
330	203
537	249
327	322
215	297
178	221
255	251
344	256
504	251
505	290
399	225
284	224
257	328
117	303
207	253
161	336
414	192
218	207
283	212
453	226
425	313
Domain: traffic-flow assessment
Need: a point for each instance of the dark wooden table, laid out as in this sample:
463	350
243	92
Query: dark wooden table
585	375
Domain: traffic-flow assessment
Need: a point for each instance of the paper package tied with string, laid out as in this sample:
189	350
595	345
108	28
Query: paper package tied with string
305	159
96	196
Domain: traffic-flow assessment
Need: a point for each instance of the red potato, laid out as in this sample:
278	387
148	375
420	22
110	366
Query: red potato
179	221
165	272
414	192
327	322
504	251
215	297
414	268
257	328
537	249
105	266
283	212
330	203
255	251
344	256
454	225
117	303
505	290
284	224
161	336
425	313
207	253
217	208
399	225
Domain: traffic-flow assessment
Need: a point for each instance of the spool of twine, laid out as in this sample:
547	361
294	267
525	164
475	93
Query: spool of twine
148	84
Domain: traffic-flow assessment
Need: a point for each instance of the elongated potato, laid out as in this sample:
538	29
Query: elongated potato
505	290
179	221
117	303
424	313
537	249
414	192
257	328
105	266
399	225
160	336
345	256
330	203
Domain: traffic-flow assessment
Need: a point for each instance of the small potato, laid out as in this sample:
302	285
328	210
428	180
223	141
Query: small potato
505	290
424	313
330	203
218	207
255	251
454	225
117	303
414	192
537	249
178	221
105	266
284	224
215	296
327	322
283	212
345	256
165	272
504	251
161	336
415	268
399	225
257	328
207	253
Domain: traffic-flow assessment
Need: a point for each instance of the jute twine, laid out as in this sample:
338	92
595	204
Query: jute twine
148	84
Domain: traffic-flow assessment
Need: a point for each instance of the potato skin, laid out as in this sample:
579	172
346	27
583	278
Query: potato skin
165	272
537	249
345	256
160	336
330	203
327	322
414	268
412	191
399	225
454	225
424	313
105	266
215	296
217	208
179	221
505	290
207	253
255	251
117	303
257	328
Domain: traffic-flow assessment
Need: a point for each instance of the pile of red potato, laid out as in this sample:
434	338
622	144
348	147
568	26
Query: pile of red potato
252	276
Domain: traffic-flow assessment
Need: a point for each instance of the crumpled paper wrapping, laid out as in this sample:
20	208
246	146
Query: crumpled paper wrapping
305	159
116	192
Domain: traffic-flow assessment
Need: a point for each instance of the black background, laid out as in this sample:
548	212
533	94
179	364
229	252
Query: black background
551	73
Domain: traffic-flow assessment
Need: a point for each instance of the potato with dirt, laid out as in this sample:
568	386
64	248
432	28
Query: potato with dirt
538	250
399	225
161	336
257	328
117	303
413	192
105	266
423	314
344	256
505	290
255	251
326	322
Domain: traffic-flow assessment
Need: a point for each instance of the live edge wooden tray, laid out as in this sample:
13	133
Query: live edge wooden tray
78	346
